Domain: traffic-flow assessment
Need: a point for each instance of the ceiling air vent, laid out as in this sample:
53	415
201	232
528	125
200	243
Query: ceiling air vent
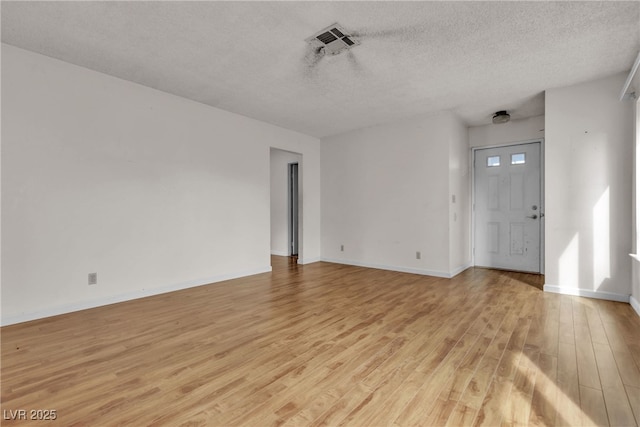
332	40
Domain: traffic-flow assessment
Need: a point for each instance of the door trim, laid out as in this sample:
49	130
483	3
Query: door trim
293	203
542	195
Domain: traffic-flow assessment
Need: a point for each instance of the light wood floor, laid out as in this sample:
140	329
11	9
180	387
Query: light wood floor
327	344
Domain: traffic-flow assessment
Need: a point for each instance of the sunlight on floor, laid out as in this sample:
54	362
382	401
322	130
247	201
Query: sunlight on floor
538	399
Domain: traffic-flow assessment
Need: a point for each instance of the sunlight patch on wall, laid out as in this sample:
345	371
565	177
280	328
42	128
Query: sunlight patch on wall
601	241
569	264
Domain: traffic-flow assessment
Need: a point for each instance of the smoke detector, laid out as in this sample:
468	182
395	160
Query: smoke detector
501	117
332	40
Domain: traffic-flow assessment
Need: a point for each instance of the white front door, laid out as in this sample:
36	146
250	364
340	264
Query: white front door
508	207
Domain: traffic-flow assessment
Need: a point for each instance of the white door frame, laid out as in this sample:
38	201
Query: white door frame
293	208
542	195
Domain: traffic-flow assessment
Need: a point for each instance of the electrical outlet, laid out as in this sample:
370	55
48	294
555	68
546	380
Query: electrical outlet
341	248
418	255
93	278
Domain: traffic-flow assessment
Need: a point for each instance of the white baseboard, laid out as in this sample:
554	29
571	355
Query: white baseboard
411	270
279	253
635	304
300	259
460	269
308	260
84	305
587	293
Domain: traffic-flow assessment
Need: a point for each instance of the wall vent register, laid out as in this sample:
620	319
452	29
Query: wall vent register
332	40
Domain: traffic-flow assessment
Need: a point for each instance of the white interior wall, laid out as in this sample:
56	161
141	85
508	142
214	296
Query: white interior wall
155	192
459	198
280	199
588	159
151	191
635	261
1	198
507	133
385	195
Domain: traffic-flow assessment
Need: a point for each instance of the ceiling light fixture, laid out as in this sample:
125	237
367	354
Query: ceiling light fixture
501	117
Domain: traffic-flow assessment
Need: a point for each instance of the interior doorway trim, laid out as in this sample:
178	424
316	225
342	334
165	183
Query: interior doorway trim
280	160
542	194
293	216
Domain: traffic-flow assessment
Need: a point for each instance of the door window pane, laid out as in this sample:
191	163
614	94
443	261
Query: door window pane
493	161
518	159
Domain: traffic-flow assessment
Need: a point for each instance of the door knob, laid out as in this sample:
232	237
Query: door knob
532	216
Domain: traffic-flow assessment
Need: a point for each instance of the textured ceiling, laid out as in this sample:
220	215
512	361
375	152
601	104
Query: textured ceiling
473	58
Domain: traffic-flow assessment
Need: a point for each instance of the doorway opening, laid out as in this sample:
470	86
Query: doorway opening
286	199
293	202
508	211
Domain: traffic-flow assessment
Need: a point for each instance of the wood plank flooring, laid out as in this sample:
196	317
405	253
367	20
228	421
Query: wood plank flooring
328	344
